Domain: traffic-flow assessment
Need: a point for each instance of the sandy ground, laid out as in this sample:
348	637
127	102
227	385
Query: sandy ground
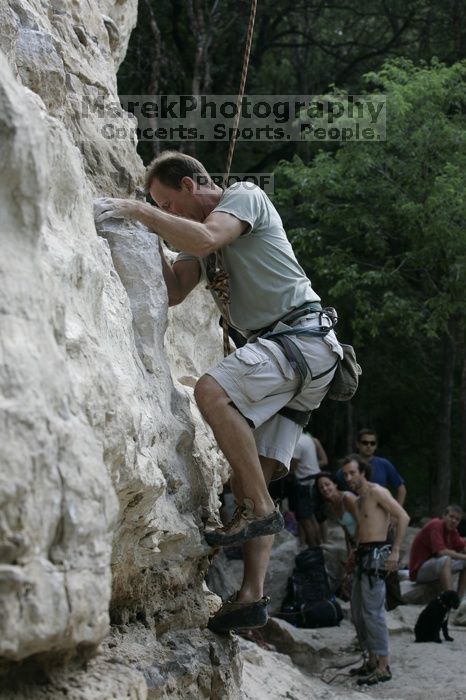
420	671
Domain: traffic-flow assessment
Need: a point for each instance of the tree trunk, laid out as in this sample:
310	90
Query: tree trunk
459	33
350	436
441	484
462	469
202	29
156	67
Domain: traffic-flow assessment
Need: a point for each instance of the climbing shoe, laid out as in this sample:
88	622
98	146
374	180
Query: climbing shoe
363	670
377	676
234	615
245	525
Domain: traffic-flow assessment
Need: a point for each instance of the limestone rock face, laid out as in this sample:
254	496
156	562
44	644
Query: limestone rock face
58	508
107	469
67	53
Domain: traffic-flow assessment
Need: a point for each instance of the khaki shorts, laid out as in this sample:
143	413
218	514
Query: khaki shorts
430	570
260	381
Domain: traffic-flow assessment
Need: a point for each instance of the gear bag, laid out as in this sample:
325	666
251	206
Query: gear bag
325	613
346	378
308	602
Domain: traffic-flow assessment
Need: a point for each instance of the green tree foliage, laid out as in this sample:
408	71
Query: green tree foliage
300	46
380	228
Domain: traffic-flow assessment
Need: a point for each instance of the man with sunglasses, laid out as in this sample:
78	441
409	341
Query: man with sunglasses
384	472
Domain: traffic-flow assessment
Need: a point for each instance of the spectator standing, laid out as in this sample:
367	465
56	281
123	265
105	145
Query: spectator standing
308	458
384	472
342	504
375	506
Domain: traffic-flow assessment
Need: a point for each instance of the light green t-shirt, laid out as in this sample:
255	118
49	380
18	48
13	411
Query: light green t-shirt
266	280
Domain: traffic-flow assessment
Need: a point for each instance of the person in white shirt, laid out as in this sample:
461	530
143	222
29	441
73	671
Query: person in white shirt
308	459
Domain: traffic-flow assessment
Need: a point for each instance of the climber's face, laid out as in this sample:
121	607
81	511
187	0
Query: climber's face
182	202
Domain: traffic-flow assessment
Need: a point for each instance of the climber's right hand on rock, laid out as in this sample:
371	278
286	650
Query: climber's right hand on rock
109	208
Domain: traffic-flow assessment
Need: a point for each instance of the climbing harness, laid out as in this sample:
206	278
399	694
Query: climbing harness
292	352
296	358
371	558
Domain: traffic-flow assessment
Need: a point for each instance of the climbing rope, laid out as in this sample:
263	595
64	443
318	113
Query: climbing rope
339	668
219	280
244	73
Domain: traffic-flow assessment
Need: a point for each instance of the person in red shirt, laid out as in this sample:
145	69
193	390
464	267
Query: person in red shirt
438	551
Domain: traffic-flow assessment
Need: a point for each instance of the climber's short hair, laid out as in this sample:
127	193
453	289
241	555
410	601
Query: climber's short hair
170	167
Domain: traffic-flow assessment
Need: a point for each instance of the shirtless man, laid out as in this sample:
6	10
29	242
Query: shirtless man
375	506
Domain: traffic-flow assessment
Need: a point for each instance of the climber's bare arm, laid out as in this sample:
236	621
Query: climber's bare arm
180	278
194	237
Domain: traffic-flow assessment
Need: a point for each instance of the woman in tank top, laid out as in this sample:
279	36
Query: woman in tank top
342	503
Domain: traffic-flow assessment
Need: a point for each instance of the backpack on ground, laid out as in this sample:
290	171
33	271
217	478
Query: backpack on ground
308	602
325	613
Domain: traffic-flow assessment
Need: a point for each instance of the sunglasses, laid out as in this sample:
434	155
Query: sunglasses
369	442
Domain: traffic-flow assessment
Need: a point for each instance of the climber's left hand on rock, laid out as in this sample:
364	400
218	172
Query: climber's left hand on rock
109	208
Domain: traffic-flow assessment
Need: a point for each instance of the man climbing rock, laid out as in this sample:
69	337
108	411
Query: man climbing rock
257	399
